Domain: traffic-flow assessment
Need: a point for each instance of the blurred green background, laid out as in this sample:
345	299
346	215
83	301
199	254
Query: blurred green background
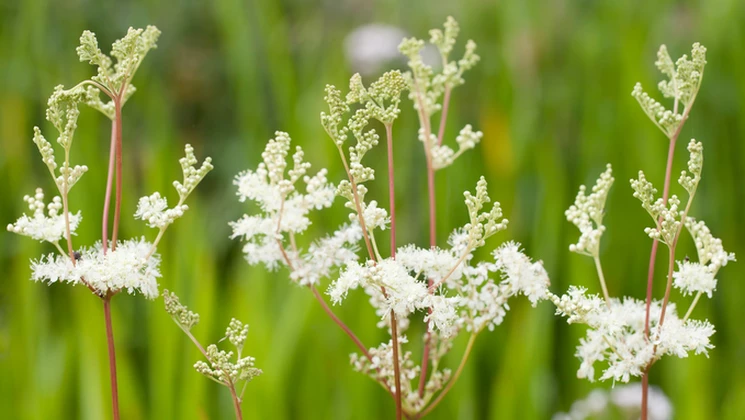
552	96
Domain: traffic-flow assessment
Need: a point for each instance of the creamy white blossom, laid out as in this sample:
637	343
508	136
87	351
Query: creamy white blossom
130	267
284	209
434	263
326	254
154	210
520	273
615	335
48	227
694	277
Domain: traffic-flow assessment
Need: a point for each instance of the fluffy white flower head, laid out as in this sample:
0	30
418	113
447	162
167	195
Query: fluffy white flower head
129	267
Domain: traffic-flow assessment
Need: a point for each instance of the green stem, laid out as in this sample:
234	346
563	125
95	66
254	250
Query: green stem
599	267
453	379
693	305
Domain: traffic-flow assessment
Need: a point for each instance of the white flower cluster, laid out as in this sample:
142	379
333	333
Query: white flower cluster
699	277
284	209
326	254
49	227
616	334
130	267
587	214
466	296
484	300
154	208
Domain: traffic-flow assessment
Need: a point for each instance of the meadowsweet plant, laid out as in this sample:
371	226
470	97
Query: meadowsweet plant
113	265
627	336
455	292
227	368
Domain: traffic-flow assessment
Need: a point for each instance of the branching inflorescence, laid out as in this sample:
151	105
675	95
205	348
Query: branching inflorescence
453	291
629	335
227	368
109	266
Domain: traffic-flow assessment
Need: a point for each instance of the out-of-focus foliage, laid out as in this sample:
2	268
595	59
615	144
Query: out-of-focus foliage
552	95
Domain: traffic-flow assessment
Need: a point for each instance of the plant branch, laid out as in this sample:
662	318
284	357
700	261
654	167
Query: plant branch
599	267
109	183
118	149
236	401
396	366
444	115
693	305
452	380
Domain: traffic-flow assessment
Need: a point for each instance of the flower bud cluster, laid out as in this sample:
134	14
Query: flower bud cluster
426	87
482	224
180	313
128	52
684	81
192	175
381	100
443	156
587	214
689	180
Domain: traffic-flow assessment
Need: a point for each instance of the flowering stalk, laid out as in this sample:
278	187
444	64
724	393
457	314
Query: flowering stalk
674	84
220	367
454	292
129	265
628	334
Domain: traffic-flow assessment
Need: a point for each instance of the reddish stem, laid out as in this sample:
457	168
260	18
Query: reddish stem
109	182
118	148
236	402
444	116
391	188
396	366
425	123
653	254
394	326
340	323
112	356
